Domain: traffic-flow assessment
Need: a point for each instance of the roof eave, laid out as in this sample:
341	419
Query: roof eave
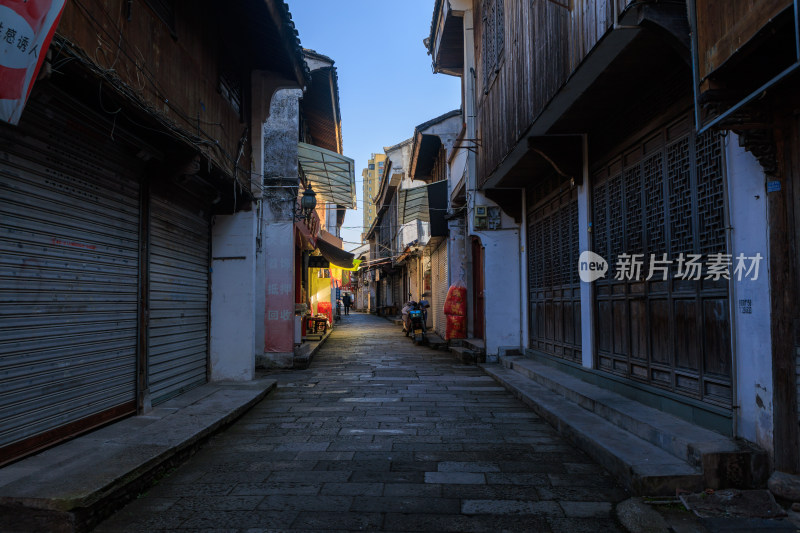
279	11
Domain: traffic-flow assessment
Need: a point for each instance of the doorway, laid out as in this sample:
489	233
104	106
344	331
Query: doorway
478	321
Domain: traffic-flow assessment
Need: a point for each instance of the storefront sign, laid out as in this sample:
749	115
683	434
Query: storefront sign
26	29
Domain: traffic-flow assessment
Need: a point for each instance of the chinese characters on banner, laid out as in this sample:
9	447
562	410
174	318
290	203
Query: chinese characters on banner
634	267
26	29
347	281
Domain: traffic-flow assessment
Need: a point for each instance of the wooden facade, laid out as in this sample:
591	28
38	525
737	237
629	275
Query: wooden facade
725	27
187	63
733	38
550	39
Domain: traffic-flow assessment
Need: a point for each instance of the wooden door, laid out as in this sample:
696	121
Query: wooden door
664	195
477	289
553	283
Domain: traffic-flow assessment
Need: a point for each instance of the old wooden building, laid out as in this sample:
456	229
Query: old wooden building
738	91
591	126
144	126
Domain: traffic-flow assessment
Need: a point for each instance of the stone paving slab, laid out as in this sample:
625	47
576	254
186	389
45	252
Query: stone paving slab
381	435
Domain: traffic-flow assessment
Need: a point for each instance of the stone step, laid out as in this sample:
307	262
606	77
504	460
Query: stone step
726	462
478	346
645	469
465	355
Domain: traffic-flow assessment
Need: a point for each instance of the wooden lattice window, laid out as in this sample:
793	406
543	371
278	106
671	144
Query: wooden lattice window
493	40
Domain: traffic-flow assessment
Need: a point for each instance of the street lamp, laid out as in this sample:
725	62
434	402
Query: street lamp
307	203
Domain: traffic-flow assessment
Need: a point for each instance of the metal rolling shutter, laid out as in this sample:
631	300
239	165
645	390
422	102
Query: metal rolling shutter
179	288
397	289
440	287
69	277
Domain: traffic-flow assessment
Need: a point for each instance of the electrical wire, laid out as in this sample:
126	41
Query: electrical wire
111	76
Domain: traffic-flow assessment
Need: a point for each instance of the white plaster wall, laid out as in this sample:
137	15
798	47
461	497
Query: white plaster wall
260	283
277	230
501	289
523	273
232	336
748	214
456	250
504	297
584	244
409	232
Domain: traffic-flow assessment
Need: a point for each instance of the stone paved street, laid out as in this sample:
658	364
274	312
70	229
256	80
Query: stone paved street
381	435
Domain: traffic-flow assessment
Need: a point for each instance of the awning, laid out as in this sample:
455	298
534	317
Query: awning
413	205
331	175
428	204
337	256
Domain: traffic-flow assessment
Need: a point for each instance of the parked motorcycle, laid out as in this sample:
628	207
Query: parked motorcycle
417	317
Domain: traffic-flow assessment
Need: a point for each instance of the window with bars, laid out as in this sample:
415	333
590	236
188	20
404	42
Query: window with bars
493	40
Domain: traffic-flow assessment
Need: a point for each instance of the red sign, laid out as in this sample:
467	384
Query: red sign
26	29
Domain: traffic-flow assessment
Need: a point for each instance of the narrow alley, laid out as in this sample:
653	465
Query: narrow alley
591	208
381	435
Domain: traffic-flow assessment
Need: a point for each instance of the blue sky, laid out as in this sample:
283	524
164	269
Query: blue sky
386	86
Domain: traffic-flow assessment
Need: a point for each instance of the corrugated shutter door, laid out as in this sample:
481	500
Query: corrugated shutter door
397	289
69	277
440	288
178	323
443	287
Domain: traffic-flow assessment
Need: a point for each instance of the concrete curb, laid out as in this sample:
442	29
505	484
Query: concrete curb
639	465
73	486
305	353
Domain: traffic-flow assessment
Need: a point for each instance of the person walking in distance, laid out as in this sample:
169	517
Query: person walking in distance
347	301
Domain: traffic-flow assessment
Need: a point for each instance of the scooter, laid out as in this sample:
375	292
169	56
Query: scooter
417	317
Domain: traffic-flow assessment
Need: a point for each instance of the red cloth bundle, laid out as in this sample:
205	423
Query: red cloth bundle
456	327
456	301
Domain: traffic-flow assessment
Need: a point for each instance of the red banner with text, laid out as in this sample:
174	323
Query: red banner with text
26	29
